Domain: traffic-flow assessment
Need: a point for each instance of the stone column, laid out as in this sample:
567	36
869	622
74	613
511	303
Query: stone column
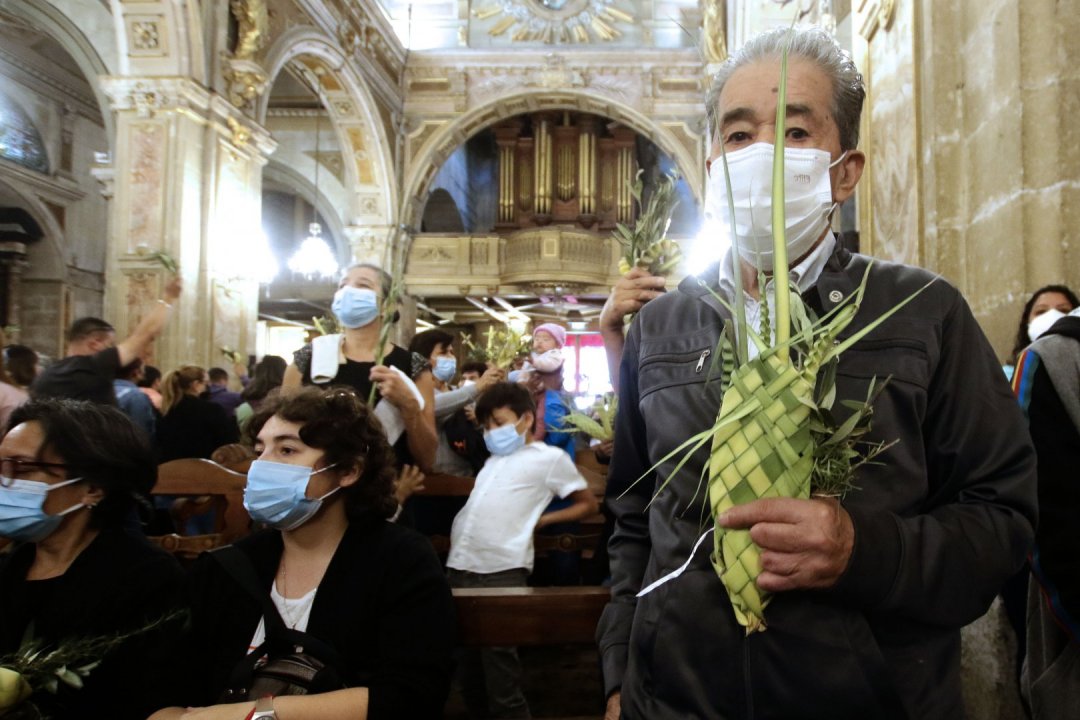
188	183
12	264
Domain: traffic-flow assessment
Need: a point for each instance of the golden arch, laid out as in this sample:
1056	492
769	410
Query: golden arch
427	153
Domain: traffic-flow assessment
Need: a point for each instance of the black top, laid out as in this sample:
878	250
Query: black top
194	428
355	374
383	604
80	377
119	583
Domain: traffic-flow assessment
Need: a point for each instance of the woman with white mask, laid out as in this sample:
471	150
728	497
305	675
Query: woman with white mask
368	596
1045	306
348	359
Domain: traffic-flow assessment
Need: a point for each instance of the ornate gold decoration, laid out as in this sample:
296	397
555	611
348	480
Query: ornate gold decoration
253	27
247	81
555	21
714	30
240	134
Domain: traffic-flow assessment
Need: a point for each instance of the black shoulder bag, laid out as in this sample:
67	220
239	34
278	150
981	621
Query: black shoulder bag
289	662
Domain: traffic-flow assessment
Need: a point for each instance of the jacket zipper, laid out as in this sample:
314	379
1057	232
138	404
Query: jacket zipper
701	360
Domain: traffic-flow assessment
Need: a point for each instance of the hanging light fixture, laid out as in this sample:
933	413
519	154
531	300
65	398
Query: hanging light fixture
314	258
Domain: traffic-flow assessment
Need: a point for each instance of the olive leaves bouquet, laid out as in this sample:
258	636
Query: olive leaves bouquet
500	346
647	245
38	666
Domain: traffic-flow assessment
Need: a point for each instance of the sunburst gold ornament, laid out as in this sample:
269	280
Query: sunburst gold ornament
555	21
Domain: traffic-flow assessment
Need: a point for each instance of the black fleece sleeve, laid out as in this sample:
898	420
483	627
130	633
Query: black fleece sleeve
627	500
944	564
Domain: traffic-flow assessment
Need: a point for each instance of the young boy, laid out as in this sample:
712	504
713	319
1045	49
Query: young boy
491	543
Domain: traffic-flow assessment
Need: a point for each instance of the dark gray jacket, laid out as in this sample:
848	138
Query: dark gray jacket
943	519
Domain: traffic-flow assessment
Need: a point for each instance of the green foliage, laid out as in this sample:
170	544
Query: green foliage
646	245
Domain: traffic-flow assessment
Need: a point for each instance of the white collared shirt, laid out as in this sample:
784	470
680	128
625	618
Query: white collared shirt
494	531
805	275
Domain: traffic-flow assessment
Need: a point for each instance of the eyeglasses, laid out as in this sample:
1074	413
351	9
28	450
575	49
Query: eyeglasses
12	469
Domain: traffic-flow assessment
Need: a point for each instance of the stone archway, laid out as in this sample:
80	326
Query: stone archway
433	148
85	30
353	113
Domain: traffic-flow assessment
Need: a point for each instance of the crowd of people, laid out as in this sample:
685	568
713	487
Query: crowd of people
336	605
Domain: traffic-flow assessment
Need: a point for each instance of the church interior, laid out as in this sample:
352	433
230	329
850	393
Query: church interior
484	152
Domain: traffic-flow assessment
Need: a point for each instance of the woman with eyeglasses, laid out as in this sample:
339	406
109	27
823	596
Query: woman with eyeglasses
70	473
369	595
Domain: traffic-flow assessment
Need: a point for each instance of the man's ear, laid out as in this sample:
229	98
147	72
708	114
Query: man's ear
847	175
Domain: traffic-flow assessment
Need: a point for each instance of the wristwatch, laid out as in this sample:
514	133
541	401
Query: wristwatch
264	709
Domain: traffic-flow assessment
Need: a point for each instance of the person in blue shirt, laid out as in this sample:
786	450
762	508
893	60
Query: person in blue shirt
132	401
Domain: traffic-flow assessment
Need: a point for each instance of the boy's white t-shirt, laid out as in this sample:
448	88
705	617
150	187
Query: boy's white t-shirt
494	531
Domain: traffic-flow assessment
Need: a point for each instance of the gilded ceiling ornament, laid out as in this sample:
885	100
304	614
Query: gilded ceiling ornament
555	21
253	24
714	30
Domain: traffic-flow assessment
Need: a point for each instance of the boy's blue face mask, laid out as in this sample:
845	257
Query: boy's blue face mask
504	439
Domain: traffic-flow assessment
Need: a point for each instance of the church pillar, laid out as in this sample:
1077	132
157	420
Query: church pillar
187	184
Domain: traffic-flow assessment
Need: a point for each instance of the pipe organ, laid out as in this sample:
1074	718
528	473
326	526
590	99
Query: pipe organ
564	167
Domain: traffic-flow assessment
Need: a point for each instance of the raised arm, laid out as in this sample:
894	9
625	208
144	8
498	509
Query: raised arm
135	344
629	295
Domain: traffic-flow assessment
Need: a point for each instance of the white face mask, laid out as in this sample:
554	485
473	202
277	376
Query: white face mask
1042	323
807	199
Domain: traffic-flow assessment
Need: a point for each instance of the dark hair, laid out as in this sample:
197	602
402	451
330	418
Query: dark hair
474	366
269	374
217	374
504	395
130	370
426	342
340	424
87	327
21	364
1022	339
150	375
100	444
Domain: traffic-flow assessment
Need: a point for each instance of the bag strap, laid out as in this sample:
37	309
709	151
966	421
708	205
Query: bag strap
238	566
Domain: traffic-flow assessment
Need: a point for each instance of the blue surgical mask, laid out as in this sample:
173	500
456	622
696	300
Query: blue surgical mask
445	368
355	307
276	494
504	439
22	515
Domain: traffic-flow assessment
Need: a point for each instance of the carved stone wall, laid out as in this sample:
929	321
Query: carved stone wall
995	85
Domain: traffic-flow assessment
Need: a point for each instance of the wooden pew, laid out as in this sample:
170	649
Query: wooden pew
204	486
528	616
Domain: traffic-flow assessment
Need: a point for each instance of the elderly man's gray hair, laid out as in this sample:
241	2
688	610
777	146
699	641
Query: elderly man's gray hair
812	44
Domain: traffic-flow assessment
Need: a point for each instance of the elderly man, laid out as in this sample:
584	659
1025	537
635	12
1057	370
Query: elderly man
869	594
